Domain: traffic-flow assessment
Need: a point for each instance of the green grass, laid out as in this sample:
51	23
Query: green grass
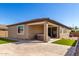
67	42
3	41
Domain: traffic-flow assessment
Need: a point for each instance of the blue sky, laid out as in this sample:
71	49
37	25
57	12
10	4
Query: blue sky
67	14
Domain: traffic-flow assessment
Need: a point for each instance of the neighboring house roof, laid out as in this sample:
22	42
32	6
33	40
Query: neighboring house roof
3	27
41	19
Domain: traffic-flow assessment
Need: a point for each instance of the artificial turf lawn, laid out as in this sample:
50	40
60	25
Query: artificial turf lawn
4	40
68	42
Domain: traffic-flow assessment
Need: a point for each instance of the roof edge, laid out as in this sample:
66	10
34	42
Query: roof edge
33	20
59	23
41	19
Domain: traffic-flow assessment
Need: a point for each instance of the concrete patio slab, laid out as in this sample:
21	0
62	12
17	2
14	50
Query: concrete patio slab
33	49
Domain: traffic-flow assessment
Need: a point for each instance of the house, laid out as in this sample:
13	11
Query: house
39	29
3	31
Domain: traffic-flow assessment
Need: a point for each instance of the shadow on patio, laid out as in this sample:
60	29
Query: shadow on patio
27	41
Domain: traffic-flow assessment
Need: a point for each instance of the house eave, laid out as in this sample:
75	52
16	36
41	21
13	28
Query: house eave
39	20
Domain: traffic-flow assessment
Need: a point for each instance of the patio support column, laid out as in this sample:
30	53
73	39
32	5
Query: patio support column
27	31
45	32
57	31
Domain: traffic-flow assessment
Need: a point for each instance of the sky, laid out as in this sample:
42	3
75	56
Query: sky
67	14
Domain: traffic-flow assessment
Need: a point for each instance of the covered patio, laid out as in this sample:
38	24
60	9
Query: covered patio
43	31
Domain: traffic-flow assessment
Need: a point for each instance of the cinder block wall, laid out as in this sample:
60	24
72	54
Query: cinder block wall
3	33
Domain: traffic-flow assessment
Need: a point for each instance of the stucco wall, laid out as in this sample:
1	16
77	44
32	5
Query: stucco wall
64	32
29	31
35	29
13	32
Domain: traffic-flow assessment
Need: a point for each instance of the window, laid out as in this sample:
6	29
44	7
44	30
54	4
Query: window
20	29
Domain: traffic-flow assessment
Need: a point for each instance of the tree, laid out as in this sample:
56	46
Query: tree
75	29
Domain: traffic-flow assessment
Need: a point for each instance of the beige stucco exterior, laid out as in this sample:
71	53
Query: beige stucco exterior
14	34
64	32
35	29
31	29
